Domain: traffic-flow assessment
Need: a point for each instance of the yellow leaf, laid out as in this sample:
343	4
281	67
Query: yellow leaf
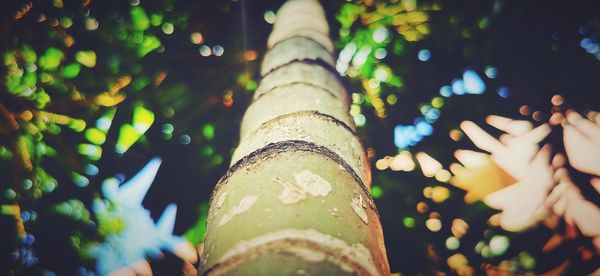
106	99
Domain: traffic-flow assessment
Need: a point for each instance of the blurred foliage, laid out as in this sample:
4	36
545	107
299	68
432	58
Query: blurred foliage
419	68
92	90
84	84
372	29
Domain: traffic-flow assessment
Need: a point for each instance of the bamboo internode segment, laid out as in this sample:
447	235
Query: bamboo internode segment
313	127
293	98
301	19
296	198
303	72
292	185
295	49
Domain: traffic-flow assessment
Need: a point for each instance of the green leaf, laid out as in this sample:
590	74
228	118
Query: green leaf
53	129
71	71
140	83
383	73
142	119
396	81
398	47
77	125
51	59
42	98
127	137
156	19
29	79
139	18
9	59
87	58
95	136
92	152
376	192
206	151
29	55
74	209
349	12
208	131
149	43
195	234
251	85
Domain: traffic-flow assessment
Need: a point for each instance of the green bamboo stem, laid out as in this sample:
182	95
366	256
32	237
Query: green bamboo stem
296	198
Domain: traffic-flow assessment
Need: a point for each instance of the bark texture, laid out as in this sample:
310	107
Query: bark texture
296	198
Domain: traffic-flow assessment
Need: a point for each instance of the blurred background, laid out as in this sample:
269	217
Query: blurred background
91	91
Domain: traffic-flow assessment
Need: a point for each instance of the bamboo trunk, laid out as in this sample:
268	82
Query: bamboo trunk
296	198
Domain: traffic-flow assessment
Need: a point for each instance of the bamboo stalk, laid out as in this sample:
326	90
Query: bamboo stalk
296	198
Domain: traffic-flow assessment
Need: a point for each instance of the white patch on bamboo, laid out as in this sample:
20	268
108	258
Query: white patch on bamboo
306	184
334	211
306	254
221	200
312	183
309	245
291	193
358	205
242	207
